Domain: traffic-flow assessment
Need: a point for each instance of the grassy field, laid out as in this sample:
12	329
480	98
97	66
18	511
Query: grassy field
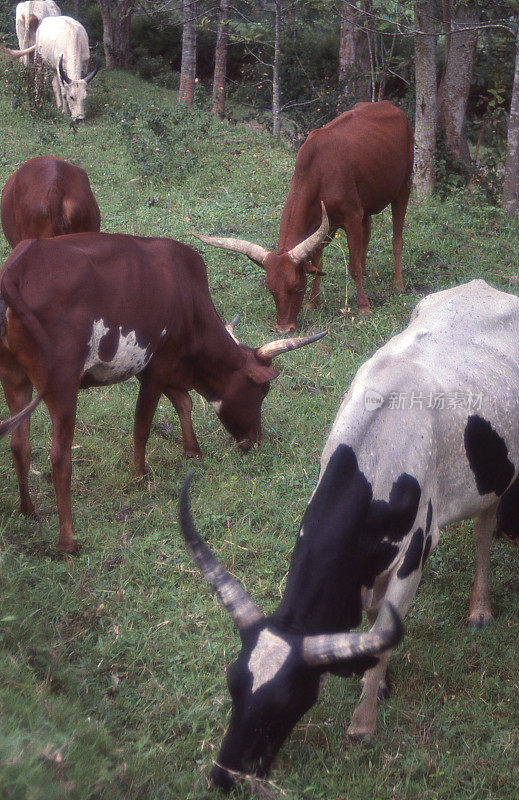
112	663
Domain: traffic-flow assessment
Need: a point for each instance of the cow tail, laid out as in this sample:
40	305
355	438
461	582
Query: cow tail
12	296
14	55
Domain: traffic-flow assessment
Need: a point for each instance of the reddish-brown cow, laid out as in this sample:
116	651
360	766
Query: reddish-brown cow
47	197
355	165
91	309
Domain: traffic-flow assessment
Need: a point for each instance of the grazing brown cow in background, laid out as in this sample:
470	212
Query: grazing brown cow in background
356	165
47	197
92	309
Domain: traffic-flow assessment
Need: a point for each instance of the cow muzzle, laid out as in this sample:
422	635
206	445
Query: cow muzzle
245	445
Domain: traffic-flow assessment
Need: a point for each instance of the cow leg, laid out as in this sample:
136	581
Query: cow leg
366	236
58	95
355	236
480	611
18	394
62	410
183	405
315	290
147	402
400	592
398	209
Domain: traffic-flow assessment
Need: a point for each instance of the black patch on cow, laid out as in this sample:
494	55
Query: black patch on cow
413	557
427	549
487	454
429	518
342	547
508	511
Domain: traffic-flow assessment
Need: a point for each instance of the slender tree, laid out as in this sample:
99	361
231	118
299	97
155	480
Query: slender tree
511	179
461	36
276	121
116	16
108	34
220	60
186	92
425	114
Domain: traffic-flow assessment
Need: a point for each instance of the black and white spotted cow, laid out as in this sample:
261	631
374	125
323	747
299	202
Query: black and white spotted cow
427	435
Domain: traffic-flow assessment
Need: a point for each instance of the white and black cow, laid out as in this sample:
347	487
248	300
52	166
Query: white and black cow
427	435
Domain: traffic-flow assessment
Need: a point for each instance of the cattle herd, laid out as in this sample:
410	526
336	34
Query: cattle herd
426	434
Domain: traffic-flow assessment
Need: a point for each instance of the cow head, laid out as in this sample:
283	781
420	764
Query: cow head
75	92
276	677
286	272
242	393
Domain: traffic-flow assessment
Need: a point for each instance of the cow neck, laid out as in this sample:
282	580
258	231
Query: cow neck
294	226
214	362
346	540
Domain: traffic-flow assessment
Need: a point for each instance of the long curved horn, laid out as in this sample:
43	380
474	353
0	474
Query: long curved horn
333	647
91	75
242	609
63	75
272	349
303	249
255	252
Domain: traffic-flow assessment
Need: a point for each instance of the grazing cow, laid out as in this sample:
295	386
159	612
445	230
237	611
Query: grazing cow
355	165
28	17
62	44
426	435
47	197
92	309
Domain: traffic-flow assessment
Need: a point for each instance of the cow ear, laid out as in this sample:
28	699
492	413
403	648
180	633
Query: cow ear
311	270
260	373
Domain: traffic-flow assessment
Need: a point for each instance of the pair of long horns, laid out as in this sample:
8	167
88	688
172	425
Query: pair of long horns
320	650
272	349
259	254
65	78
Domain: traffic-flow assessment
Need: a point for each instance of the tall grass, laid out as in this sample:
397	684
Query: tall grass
112	663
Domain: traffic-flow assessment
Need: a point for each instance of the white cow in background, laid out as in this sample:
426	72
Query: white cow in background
28	17
62	45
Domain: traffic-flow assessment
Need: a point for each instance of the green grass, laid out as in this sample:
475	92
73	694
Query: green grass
112	663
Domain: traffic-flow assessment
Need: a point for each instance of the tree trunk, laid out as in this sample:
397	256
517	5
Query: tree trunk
276	123
186	92
122	32
108	34
511	180
461	40
355	66
347	50
220	60
425	112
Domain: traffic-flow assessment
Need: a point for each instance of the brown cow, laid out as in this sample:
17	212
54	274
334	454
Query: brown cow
355	165
47	197
92	309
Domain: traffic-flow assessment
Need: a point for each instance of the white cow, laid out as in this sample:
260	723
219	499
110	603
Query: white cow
62	44
28	17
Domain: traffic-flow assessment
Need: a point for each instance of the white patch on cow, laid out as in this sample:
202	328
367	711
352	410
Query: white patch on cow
267	658
217	405
129	359
163	333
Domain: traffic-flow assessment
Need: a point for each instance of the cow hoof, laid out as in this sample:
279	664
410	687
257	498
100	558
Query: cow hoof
192	453
365	310
478	619
356	736
70	549
398	287
312	305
